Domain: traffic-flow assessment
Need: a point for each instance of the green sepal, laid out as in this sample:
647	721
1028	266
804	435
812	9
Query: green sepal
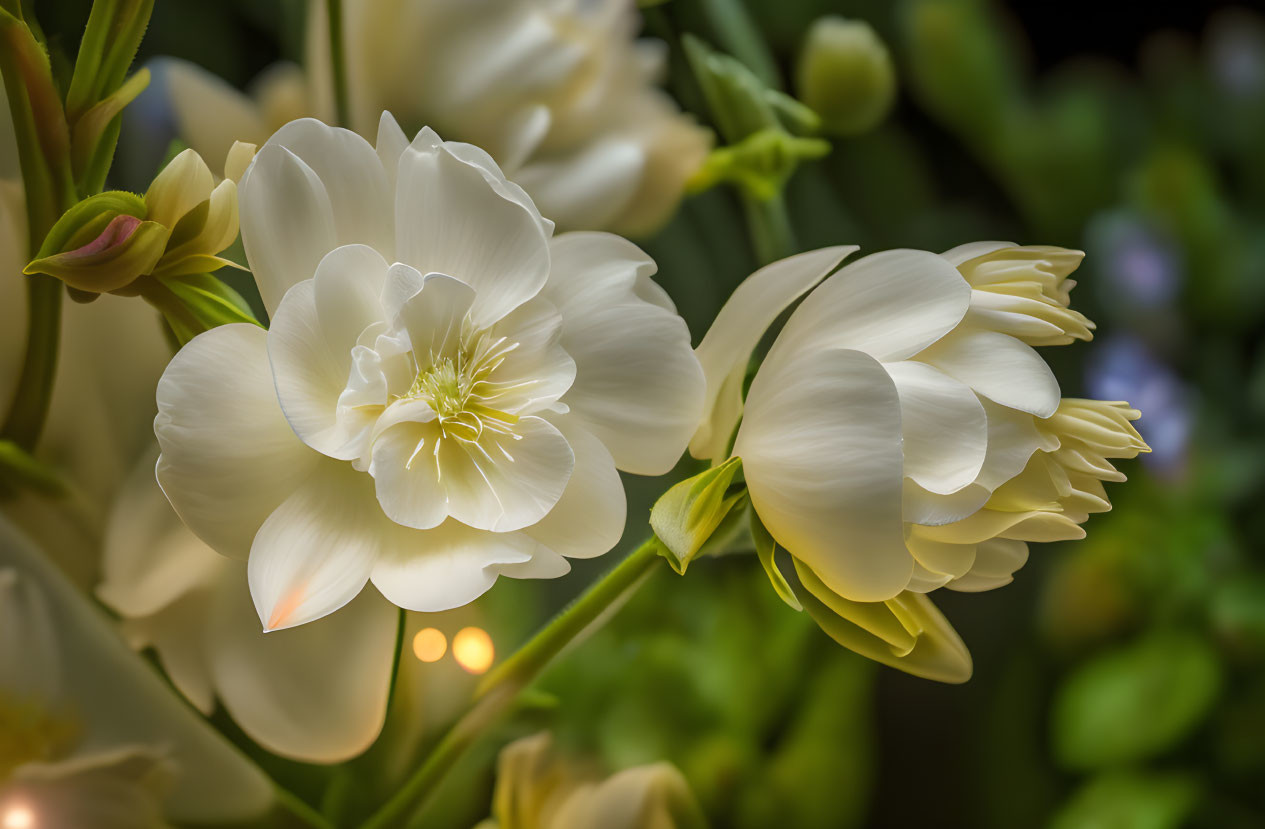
86	220
686	517
94	126
194	263
195	303
110	41
736	98
760	164
112	261
765	549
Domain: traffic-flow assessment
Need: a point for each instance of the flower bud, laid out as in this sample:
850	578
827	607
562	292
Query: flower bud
687	516
845	74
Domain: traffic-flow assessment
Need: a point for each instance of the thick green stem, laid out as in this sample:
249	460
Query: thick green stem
771	234
293	805
498	690
338	61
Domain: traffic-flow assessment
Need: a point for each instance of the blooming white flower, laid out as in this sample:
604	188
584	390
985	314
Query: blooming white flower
559	92
88	735
445	391
536	789
902	434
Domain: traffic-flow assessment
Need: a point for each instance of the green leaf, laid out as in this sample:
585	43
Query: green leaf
196	303
1127	800
94	126
19	467
1135	702
110	41
765	548
687	515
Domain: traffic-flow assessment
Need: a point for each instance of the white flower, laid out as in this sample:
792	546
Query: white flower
445	391
559	92
89	736
902	434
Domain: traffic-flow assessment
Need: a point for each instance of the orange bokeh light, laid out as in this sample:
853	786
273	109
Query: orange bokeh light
429	645
17	817
473	650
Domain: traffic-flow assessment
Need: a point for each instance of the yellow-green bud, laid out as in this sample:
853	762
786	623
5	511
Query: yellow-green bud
687	516
845	74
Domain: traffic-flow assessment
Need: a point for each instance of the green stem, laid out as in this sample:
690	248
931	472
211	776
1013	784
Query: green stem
338	61
498	690
740	37
293	805
770	225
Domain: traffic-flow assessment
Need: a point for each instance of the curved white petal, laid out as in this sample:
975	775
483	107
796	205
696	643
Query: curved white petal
315	693
890	305
446	567
314	553
638	386
538	370
287	222
178	633
588	519
150	559
505	483
405	466
922	506
229	457
999	367
971	250
944	427
738	328
450	219
996	562
1012	438
589	188
353	176
310	343
821	450
433	316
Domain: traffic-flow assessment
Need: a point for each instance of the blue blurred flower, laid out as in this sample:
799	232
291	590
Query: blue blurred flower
1139	267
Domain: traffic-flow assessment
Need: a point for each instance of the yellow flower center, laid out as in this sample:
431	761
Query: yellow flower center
461	390
30	733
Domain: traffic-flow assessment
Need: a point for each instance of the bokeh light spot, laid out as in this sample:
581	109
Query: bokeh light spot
473	650
18	817
429	645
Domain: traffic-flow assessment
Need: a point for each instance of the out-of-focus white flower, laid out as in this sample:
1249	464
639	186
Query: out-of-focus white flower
902	434
559	92
88	735
537	790
193	607
445	391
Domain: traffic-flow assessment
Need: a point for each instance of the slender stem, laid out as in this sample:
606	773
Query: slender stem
740	36
770	225
294	805
498	690
338	61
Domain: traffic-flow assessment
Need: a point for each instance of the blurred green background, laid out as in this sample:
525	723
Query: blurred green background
1120	681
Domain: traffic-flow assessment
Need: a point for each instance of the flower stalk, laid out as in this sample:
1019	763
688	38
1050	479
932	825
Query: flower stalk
498	690
338	61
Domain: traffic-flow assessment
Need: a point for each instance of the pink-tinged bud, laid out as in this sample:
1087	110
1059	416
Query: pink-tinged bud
125	249
118	231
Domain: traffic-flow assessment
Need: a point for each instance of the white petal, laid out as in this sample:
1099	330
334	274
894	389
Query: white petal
287	222
450	219
1012	438
150	559
820	446
890	305
588	519
405	467
940	556
589	188
638	386
315	693
944	427
539	370
447	567
507	483
999	367
210	113
996	562
229	457
179	634
310	343
315	552
433	316
971	250
353	176
390	146
738	328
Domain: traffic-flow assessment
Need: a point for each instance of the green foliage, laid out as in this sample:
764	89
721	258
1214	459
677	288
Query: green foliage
1136	702
1126	800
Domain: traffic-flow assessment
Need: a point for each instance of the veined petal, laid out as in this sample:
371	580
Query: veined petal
999	367
538	370
434	315
971	250
450	219
821	450
737	329
445	567
638	386
229	457
315	693
353	176
310	343
588	519
406	470
944	427
890	305
315	552
589	188
287	222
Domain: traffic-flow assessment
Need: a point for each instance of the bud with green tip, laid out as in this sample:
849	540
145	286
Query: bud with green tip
692	514
845	74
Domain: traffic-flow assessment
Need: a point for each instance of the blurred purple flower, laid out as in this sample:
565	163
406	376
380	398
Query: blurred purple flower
1121	367
1139	266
